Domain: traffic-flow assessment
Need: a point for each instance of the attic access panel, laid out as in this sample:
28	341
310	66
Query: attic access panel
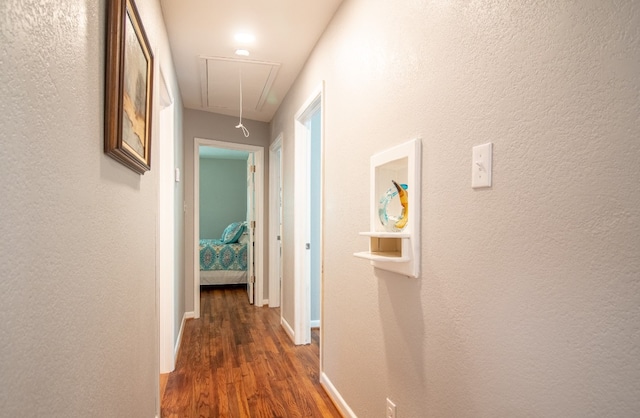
220	82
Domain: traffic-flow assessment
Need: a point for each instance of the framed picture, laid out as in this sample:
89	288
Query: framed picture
129	86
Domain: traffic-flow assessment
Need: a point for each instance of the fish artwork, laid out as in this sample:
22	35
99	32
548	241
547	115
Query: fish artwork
404	201
394	223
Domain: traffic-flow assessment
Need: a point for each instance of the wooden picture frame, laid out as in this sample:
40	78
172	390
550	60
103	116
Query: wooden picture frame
129	86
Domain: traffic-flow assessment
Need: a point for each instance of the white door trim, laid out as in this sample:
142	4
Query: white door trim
165	262
259	233
250	218
275	258
302	325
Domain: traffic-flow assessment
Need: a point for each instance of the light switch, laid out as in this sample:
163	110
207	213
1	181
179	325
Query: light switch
481	165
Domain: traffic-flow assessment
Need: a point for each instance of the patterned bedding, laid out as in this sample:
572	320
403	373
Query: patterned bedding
216	255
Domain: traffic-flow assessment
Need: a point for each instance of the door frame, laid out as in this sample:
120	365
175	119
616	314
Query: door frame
165	255
250	217
301	286
258	153
275	209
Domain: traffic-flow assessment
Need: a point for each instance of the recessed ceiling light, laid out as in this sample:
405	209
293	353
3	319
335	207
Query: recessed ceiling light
244	37
242	52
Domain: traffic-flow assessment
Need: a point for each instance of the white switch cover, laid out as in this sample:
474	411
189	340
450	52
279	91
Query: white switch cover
391	409
481	165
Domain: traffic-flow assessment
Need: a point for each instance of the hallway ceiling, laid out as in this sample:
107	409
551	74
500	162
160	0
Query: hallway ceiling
201	35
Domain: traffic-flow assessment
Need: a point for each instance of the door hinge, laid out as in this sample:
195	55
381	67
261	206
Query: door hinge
253	279
253	224
253	169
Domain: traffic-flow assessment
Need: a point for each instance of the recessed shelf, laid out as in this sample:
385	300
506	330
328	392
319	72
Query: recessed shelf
386	257
386	246
394	237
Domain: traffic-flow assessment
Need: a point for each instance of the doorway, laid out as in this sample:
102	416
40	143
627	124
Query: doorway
255	280
308	217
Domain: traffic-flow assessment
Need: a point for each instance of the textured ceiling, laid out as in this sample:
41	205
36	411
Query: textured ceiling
201	35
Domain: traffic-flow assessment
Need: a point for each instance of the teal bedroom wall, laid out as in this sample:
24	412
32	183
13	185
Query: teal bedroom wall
223	194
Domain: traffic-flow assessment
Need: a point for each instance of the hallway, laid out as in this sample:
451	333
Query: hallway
237	361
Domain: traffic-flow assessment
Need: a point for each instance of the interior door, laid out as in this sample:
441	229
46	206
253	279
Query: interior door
251	168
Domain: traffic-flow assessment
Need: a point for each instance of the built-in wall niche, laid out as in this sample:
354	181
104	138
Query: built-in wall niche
394	234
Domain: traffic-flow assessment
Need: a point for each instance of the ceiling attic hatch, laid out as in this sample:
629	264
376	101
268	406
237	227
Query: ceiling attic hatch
220	78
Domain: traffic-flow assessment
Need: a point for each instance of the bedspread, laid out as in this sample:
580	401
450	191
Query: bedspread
216	255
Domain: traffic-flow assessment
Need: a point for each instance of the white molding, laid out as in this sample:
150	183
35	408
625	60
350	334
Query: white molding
275	179
187	315
165	231
335	396
265	302
196	229
402	163
259	234
288	329
314	323
301	286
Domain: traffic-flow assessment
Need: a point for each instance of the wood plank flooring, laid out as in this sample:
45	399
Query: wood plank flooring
237	361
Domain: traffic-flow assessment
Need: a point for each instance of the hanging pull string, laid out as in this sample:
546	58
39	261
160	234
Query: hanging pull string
245	131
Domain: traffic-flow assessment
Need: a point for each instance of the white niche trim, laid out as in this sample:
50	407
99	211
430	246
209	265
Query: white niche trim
399	251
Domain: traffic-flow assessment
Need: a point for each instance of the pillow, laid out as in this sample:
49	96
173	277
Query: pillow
244	238
232	232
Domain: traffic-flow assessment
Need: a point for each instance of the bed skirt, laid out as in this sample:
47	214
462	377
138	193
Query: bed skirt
212	277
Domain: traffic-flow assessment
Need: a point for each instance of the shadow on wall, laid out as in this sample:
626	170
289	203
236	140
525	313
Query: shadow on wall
402	326
406	343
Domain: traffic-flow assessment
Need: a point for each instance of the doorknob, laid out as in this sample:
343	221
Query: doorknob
307	245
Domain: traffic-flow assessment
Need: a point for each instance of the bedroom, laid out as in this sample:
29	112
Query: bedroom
224	237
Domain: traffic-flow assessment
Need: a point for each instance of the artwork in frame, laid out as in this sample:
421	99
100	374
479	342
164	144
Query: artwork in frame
129	85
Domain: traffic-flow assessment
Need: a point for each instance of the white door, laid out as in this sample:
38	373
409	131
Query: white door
251	168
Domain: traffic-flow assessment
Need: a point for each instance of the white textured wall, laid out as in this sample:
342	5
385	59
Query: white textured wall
78	321
528	304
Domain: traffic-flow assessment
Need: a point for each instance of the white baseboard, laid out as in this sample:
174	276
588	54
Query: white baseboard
187	315
315	323
265	302
288	329
273	304
336	397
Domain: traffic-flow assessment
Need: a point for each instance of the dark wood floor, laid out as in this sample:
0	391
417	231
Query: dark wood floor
237	361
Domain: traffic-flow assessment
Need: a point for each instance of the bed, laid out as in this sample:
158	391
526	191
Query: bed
224	261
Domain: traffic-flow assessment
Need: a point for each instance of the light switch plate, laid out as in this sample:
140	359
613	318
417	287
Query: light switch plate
391	409
481	165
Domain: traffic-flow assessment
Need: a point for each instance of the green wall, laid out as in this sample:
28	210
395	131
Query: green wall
223	195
